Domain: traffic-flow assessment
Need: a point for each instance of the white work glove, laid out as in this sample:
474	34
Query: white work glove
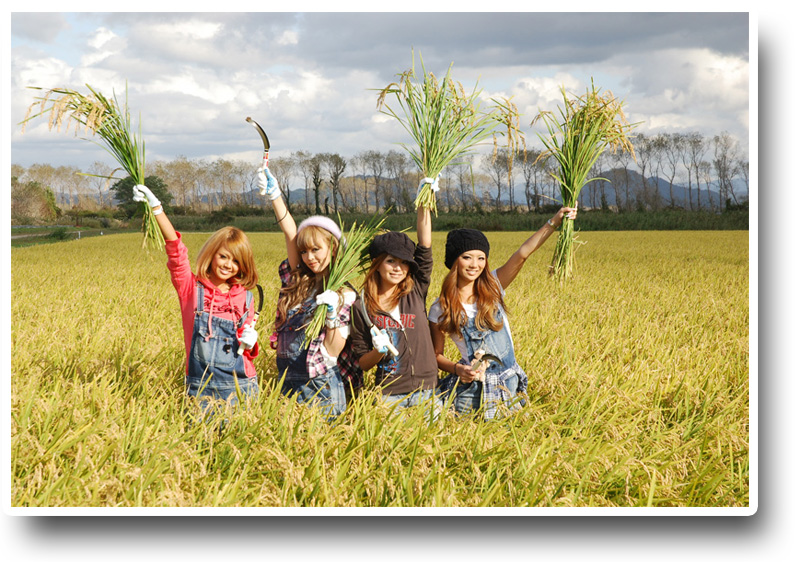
381	341
331	300
267	184
434	183
248	338
142	193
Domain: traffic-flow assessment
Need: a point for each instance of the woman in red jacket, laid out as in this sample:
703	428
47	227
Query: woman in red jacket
216	307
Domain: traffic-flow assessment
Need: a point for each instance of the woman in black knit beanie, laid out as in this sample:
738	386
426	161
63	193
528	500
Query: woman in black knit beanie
470	310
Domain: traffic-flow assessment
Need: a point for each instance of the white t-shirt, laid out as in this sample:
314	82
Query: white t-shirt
471	309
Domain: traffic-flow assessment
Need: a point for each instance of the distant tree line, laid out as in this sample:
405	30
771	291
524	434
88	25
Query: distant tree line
678	170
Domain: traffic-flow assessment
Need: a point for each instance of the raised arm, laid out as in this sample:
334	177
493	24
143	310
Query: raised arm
424	237
509	270
268	186
142	193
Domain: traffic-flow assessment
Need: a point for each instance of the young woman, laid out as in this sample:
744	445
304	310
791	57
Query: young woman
393	334
314	367
471	311
217	309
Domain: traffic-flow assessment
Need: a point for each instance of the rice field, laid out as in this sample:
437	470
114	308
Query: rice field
638	393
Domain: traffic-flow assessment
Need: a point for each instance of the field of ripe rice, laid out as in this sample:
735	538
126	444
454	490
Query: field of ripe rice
638	393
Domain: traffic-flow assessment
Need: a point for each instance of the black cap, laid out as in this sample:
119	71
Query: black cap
464	240
396	244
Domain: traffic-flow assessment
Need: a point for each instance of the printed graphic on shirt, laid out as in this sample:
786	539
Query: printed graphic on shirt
390	364
406	321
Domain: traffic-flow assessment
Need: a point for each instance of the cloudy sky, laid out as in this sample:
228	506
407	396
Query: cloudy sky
310	78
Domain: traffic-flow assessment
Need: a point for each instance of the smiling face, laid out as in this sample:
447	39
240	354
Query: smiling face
470	265
317	256
392	271
223	267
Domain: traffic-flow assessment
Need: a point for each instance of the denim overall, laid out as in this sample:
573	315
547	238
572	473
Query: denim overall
215	367
326	391
504	379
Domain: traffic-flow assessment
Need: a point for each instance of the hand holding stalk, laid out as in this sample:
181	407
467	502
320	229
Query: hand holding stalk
112	123
587	126
446	123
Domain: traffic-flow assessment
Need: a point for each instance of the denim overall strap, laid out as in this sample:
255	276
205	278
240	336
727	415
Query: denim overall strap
497	343
501	382
215	344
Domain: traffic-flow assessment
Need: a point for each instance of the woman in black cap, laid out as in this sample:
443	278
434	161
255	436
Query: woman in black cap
470	310
389	318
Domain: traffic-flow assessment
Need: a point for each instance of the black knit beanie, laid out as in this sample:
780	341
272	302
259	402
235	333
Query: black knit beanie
463	240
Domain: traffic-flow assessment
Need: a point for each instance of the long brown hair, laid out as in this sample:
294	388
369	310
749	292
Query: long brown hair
303	281
372	283
488	299
237	243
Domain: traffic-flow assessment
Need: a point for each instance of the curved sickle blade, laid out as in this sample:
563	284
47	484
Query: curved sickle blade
261	132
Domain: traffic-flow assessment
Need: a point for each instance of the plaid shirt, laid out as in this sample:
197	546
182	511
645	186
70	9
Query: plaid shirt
315	361
494	389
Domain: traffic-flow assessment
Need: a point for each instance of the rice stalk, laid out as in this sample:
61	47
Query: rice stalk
105	117
586	126
446	123
349	264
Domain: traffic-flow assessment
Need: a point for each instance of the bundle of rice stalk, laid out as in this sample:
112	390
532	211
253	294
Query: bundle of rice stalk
446	123
351	261
95	113
586	127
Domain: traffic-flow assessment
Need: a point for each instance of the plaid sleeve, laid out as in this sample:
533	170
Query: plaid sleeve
284	272
347	362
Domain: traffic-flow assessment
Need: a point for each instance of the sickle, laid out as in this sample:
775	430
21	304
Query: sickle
264	139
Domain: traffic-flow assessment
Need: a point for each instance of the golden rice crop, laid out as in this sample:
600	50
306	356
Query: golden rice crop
652	409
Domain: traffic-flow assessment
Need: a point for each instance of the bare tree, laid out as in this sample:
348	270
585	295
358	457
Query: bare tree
303	163
743	169
398	190
645	148
463	179
725	156
100	182
668	156
495	168
336	166
180	175
283	168
704	172
315	172
697	149
621	178
360	163
376	163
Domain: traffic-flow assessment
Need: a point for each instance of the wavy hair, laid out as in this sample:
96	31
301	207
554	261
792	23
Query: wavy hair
372	283
237	243
303	281
488	300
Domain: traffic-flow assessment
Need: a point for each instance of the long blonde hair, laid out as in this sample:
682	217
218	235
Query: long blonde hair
304	281
237	243
372	283
488	300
